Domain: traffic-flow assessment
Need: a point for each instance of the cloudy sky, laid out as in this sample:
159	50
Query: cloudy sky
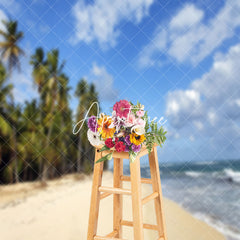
179	58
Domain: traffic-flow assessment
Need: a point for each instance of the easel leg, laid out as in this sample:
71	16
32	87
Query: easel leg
136	199
156	185
95	197
117	198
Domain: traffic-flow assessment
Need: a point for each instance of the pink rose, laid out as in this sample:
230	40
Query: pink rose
140	113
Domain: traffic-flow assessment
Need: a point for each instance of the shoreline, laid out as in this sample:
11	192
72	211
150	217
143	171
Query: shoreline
60	211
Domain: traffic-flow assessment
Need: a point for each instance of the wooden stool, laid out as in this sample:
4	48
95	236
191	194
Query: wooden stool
99	192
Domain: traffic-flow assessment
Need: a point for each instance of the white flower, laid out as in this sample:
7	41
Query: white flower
138	129
94	138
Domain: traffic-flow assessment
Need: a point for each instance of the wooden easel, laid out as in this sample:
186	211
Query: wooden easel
99	192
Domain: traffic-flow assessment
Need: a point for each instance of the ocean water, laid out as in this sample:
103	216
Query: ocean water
209	190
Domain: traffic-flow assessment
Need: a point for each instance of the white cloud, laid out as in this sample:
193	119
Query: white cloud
198	124
210	107
12	6
104	83
192	138
2	17
100	20
182	106
189	37
186	17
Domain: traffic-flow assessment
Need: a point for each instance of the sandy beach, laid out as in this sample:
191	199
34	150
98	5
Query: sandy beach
29	211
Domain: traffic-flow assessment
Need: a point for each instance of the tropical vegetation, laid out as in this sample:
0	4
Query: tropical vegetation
36	139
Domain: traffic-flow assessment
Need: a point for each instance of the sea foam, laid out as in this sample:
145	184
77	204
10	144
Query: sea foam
228	231
232	175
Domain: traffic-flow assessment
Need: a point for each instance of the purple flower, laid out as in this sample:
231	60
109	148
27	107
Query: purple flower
92	124
126	148
136	148
127	140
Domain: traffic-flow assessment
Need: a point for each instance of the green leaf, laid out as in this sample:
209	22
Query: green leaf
106	157
132	156
104	148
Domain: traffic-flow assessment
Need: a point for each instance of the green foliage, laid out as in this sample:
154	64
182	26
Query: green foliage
9	46
154	134
36	139
132	156
136	107
104	148
104	158
87	167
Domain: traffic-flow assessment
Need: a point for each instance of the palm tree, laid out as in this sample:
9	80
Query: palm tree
40	71
65	117
5	122
40	75
10	49
29	146
11	52
48	76
51	95
82	94
5	93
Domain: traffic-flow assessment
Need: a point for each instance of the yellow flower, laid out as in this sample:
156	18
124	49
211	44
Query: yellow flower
137	139
104	122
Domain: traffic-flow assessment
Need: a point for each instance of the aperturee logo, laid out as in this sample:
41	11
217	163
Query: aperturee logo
128	129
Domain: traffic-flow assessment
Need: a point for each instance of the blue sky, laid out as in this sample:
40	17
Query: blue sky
179	58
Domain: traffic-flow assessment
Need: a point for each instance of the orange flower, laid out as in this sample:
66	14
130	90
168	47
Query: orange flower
104	122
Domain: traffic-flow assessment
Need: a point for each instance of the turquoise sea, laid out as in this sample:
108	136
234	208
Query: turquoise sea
209	190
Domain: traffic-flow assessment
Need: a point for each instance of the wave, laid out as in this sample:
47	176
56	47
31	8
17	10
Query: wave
228	231
227	174
193	174
205	163
232	175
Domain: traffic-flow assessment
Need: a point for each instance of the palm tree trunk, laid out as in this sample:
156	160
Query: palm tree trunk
14	155
25	173
41	161
46	164
63	156
0	154
79	154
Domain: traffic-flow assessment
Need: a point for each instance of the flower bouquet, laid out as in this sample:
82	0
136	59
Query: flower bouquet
127	130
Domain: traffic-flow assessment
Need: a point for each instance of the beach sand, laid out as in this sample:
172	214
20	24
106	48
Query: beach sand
59	211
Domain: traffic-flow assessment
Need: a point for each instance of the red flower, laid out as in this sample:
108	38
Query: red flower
109	143
119	146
